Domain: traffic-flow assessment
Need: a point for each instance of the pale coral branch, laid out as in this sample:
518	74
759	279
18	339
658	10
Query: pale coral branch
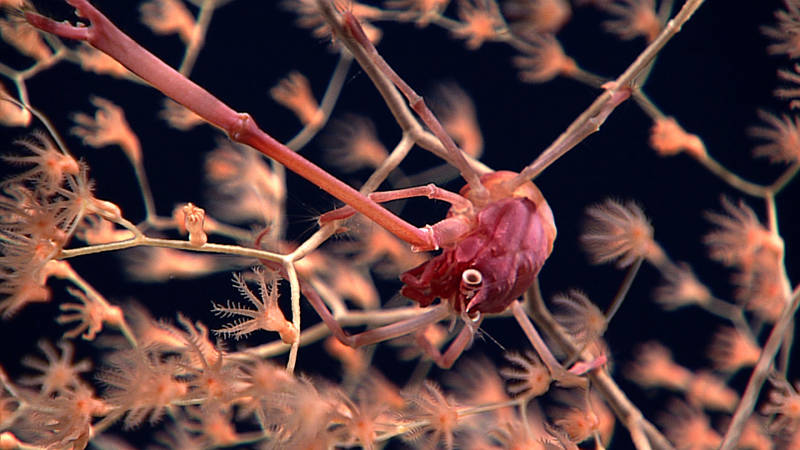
203	20
291	275
144	241
760	373
329	98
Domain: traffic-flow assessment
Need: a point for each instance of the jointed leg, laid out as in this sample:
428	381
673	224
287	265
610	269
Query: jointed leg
557	371
454	350
347	28
106	37
443	233
429	190
431	315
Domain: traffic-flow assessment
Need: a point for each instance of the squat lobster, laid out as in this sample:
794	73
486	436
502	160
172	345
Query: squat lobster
495	238
512	235
509	235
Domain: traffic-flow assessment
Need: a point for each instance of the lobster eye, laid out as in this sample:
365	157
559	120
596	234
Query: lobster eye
471	278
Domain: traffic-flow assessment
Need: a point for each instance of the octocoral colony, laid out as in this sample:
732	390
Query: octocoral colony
346	329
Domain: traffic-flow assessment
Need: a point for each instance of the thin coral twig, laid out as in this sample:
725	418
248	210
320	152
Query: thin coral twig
760	373
144	241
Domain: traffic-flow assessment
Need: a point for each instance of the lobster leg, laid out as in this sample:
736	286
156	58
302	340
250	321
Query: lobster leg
429	190
375	335
462	342
240	127
347	27
557	371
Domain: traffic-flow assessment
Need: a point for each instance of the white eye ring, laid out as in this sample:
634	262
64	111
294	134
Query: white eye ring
471	278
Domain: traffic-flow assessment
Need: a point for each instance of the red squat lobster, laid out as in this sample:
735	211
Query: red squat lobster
494	240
